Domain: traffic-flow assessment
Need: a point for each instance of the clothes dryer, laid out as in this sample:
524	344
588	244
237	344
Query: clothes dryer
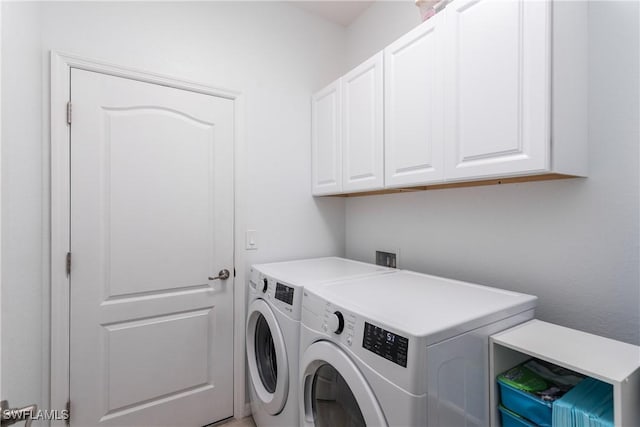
273	330
406	349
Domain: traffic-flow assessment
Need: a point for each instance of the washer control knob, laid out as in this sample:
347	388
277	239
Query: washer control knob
265	285
336	322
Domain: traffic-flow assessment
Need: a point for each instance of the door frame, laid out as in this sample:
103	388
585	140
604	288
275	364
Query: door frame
61	65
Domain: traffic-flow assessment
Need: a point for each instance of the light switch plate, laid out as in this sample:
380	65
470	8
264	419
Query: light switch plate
251	240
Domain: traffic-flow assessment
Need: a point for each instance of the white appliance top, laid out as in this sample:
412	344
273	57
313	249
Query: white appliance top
305	272
423	305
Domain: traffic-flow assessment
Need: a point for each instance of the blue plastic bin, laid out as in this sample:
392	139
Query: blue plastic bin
511	419
526	404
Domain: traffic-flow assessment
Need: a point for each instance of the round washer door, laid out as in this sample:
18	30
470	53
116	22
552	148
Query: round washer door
334	390
267	357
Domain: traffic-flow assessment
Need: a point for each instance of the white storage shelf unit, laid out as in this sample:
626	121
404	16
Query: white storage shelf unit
607	360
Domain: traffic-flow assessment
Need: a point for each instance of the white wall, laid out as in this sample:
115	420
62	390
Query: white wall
573	243
23	337
275	53
380	24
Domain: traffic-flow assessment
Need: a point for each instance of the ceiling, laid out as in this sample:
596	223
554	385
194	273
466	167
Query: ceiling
340	12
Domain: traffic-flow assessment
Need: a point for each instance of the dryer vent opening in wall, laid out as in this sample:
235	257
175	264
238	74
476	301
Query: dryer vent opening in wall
387	259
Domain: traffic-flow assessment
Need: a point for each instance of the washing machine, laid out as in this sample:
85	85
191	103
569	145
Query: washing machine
273	330
406	349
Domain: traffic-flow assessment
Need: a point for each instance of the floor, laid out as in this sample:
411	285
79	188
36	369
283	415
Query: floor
244	422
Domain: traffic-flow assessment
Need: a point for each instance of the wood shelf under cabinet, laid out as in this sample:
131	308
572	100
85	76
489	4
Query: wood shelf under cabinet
613	362
496	181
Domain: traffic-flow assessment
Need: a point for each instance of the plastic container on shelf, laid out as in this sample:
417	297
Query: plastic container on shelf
525	404
530	389
511	419
588	404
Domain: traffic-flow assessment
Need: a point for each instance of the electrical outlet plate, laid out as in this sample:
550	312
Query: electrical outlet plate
387	258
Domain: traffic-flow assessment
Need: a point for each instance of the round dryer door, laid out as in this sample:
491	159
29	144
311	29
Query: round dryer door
335	391
267	357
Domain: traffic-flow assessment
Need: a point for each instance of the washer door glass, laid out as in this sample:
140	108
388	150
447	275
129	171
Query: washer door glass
333	402
266	359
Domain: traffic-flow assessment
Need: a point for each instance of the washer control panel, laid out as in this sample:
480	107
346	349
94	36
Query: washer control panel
287	298
284	293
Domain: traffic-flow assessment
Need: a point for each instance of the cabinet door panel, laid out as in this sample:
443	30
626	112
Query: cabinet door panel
413	107
362	127
326	149
497	89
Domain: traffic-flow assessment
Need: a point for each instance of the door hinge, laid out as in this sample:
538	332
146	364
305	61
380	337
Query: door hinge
68	264
68	409
69	112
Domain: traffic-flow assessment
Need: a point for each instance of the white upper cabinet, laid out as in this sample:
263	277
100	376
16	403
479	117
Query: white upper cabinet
413	107
497	88
326	148
362	127
485	90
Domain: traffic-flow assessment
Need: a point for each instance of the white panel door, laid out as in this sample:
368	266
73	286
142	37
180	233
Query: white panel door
326	147
362	127
413	107
151	220
497	89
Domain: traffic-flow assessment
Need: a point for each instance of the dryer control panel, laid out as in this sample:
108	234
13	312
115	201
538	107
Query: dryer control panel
340	323
369	341
386	344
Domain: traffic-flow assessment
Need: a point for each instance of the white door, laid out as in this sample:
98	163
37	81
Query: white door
362	127
326	148
497	88
413	106
151	220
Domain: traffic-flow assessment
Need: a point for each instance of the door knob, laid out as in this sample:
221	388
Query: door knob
15	415
222	275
